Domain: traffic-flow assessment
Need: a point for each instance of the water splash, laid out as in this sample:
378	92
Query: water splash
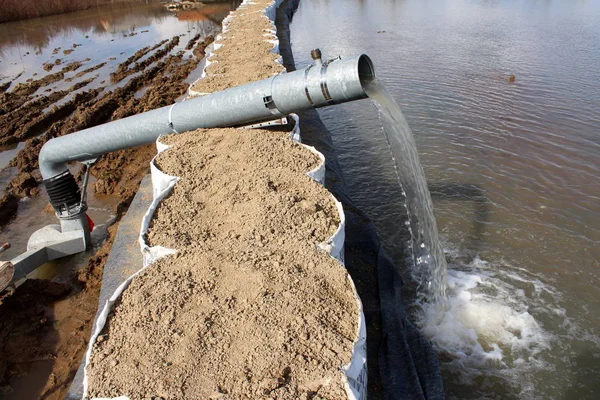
490	337
489	321
427	252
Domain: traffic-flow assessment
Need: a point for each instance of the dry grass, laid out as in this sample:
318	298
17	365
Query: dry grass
15	10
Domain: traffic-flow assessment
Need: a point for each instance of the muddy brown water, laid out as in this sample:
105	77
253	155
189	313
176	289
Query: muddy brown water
513	168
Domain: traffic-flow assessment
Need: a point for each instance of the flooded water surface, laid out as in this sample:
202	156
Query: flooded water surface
97	38
503	98
105	34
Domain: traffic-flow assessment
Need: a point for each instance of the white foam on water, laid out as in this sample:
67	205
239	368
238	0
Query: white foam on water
486	327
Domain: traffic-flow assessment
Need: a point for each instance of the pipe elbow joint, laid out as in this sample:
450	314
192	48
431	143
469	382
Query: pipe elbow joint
49	166
63	192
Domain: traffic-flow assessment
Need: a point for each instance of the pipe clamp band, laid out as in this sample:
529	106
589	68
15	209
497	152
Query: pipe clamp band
310	100
271	106
324	88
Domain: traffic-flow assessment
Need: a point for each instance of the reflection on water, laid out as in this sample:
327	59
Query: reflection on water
110	20
37	34
113	31
512	168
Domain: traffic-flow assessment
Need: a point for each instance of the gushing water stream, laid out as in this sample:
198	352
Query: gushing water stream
475	321
428	255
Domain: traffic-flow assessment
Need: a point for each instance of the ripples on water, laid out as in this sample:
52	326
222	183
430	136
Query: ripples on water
512	168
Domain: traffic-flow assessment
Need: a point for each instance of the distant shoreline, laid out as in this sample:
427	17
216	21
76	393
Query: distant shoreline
18	10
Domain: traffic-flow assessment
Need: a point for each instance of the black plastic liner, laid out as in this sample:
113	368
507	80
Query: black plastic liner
402	364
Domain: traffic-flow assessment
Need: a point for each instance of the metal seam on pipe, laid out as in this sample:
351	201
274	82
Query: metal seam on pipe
170	118
323	85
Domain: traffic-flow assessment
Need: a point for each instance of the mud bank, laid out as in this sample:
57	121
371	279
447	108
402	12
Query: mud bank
36	121
44	327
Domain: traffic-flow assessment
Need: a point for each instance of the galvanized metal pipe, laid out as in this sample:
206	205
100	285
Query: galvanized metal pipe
316	86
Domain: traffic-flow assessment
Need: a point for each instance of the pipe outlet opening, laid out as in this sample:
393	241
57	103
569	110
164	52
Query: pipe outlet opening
366	71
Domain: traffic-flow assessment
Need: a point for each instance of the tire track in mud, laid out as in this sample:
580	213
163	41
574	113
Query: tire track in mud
73	66
139	54
118	173
32	121
16	112
10	102
29	88
200	49
192	41
125	71
85	72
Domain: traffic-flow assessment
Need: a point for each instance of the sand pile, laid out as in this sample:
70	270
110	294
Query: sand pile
250	307
246	53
